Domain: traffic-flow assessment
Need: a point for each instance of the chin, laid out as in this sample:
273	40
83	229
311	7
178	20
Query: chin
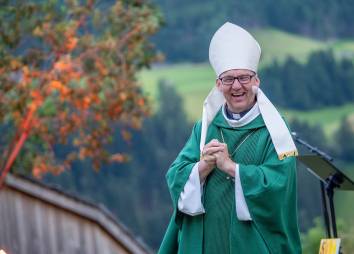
239	108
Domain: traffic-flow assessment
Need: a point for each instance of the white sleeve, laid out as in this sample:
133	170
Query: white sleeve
242	211
190	199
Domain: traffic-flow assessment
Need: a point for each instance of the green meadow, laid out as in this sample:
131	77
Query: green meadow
328	118
278	45
194	81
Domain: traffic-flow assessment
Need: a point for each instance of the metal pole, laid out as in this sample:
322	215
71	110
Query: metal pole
325	210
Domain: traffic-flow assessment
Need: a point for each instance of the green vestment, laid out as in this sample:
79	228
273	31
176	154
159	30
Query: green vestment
269	187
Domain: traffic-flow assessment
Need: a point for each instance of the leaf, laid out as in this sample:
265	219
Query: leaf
72	67
71	43
118	157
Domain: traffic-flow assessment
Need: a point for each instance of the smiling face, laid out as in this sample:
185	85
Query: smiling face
239	97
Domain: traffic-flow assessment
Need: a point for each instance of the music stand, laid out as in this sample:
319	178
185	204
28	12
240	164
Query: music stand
320	165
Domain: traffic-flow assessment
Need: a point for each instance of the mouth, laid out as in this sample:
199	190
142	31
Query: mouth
238	95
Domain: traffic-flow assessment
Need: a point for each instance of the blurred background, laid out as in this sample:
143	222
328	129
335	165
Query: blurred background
147	62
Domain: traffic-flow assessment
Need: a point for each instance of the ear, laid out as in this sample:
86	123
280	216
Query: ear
257	81
218	84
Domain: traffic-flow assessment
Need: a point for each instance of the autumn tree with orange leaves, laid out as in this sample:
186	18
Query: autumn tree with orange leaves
67	72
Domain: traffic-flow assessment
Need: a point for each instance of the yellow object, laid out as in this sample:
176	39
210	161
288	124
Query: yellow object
329	246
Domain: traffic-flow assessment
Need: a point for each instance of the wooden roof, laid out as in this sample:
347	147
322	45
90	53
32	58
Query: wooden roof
78	206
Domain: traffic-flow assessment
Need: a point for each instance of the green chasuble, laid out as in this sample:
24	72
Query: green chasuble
269	187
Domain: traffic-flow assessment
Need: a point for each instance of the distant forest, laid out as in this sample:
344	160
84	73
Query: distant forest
189	25
321	82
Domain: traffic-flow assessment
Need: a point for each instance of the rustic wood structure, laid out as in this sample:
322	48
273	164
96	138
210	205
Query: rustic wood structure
38	219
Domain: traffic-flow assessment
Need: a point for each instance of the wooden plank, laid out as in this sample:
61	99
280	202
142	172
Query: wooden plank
90	246
6	222
52	238
30	224
20	215
71	233
39	212
111	226
59	233
12	218
2	218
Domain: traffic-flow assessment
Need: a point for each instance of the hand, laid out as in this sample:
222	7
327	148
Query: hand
208	160
223	160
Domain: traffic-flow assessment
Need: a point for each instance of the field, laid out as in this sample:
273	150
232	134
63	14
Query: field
329	118
194	81
278	45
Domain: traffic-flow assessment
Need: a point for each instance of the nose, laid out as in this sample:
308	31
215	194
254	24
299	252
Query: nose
236	84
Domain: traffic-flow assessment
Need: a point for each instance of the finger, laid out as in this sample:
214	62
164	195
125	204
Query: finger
213	142
210	159
213	150
223	147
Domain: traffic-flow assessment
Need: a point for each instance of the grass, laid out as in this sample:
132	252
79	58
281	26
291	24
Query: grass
278	45
194	81
328	118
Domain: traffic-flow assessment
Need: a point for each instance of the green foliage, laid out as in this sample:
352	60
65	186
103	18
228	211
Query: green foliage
345	140
344	212
190	24
194	81
321	82
278	45
136	192
312	238
309	199
328	117
313	134
69	68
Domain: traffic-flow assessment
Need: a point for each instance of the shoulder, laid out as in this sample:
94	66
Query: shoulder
198	125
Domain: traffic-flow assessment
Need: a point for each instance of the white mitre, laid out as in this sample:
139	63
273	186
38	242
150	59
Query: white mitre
232	47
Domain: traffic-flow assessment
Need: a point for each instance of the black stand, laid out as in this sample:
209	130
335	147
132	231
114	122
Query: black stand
333	181
319	164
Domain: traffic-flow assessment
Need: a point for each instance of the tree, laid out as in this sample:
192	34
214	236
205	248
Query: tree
311	85
67	71
313	134
136	191
312	238
192	23
309	198
345	139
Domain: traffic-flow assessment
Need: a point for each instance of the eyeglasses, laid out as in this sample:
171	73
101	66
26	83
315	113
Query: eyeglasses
242	79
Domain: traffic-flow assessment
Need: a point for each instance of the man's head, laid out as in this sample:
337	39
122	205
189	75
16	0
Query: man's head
234	55
236	86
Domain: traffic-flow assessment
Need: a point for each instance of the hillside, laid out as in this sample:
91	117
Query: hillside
191	23
278	45
194	81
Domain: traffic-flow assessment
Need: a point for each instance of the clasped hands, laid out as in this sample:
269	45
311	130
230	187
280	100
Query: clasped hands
215	154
